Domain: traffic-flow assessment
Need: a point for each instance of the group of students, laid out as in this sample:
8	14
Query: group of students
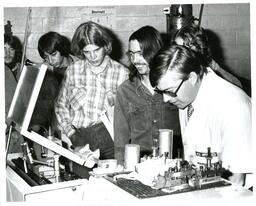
155	93
207	109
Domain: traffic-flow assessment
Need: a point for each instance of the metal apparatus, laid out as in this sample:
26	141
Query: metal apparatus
39	161
30	163
186	175
170	177
177	15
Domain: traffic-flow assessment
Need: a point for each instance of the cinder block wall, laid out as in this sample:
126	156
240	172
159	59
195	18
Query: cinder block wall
229	22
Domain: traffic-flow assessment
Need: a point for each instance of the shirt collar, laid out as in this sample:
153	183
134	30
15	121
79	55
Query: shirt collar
138	86
141	89
89	67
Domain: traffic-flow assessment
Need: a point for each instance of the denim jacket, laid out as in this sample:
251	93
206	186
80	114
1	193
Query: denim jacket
139	115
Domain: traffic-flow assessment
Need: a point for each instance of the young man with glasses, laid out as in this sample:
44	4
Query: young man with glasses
139	111
170	93
221	117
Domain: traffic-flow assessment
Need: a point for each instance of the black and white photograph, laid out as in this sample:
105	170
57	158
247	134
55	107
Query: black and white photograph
127	103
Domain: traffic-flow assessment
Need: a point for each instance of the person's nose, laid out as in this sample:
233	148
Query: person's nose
92	55
166	98
136	58
7	52
49	59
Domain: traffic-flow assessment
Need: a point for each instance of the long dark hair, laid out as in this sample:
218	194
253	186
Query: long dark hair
53	41
150	43
90	33
14	43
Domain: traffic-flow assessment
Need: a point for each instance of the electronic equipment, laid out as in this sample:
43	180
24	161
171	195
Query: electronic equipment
48	174
22	108
187	175
183	177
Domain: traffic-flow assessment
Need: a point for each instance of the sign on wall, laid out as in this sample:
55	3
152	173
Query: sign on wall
103	16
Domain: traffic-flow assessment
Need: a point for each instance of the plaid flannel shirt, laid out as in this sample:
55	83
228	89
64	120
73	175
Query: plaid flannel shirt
84	94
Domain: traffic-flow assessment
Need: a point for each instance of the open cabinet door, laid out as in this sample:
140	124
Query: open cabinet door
22	108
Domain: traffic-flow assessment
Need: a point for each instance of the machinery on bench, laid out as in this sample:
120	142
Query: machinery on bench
158	176
47	169
185	175
45	164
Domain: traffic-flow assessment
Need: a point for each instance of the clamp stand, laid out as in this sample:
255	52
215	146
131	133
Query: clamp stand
208	157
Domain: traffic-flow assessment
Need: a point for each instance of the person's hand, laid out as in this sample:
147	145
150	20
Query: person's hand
78	149
90	157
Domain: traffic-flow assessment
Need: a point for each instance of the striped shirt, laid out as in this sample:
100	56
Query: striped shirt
84	94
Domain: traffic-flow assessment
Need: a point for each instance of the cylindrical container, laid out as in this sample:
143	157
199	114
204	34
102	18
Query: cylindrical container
165	142
179	15
131	156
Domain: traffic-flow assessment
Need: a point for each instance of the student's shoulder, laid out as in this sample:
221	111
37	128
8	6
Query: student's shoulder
75	65
77	61
117	64
127	85
74	58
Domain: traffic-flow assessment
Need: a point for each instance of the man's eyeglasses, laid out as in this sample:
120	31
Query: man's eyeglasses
170	93
132	54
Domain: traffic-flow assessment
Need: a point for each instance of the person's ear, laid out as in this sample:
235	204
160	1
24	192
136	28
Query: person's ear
108	48
193	78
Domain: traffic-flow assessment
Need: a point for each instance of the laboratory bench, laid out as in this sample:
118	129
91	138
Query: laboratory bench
102	191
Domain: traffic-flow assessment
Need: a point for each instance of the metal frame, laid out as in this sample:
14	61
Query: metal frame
24	127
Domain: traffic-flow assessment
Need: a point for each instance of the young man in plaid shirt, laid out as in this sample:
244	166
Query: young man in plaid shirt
89	88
